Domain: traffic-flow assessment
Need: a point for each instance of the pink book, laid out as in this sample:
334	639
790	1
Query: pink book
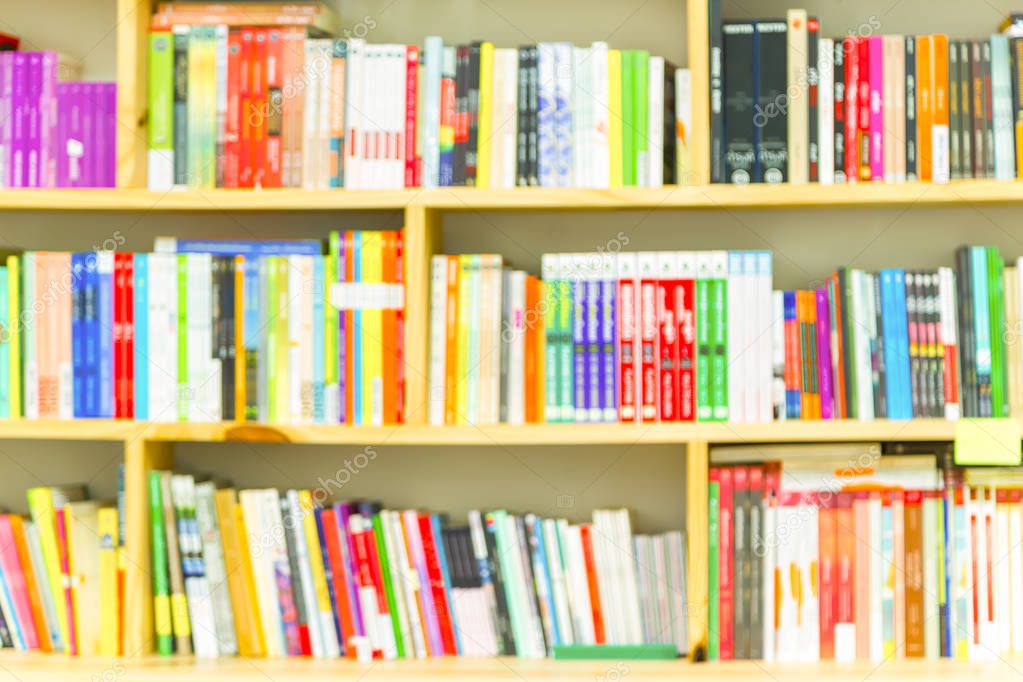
19	120
827	388
47	342
11	567
61	269
65	571
861	578
6	113
48	120
876	48
418	557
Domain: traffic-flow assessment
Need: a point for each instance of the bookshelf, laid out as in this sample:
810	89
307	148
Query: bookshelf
151	445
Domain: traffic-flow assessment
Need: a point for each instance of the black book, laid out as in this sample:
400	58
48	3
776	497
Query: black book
770	116
913	320
813	34
839	98
181	106
717	114
461	114
966	110
521	120
296	575
977	87
911	157
472	145
1016	59
5	634
877	359
740	154
740	562
954	116
505	638
989	121
670	133
969	399
227	367
935	357
533	141
755	647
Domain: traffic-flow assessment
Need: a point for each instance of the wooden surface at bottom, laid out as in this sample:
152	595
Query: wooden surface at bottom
38	668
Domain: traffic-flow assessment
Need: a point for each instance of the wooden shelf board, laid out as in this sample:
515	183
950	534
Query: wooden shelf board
469	199
503	434
56	668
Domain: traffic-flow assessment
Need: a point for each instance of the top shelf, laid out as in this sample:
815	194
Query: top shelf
705	197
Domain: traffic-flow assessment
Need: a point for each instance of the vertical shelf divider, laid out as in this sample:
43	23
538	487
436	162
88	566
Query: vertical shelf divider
423	228
132	67
697	462
697	23
139	457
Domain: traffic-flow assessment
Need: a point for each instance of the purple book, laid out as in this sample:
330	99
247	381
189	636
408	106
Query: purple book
48	119
342	350
594	362
65	99
608	324
106	136
33	125
6	68
824	354
89	105
582	395
19	118
343	512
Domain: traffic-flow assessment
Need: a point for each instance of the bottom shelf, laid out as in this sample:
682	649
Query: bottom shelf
36	667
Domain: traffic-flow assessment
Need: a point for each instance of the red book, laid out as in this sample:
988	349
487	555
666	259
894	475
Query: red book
246	102
793	349
375	569
648	335
399	330
440	596
274	104
852	108
9	42
118	336
259	106
232	126
60	519
359	529
585	533
339	578
413	167
685	308
627	326
828	572
388	326
726	511
667	326
863	123
129	335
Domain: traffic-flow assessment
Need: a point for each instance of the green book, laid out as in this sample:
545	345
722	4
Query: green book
183	337
617	652
281	357
28	338
845	285
566	350
718	305
996	299
713	596
628	121
271	339
385	571
161	582
640	104
552	400
704	412
161	110
498	523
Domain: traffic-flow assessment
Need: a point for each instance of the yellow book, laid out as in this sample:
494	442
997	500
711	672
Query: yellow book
614	116
312	538
109	594
282	355
40	506
240	581
14	332
486	109
83	548
372	333
464	306
239	338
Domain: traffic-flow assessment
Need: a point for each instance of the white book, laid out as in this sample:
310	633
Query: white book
307	593
409	585
520	556
738	346
683	126
578	589
581	101
354	138
516	398
640	549
898	74
949	322
877	579
432	56
769	560
310	108
606	578
809	613
216	570
296	313
762	330
597	139
798	99
864	310
398	110
778	356
826	111
627	561
749	338
259	540
487	627
509	80
1015	562
438	336
195	327
787	633
655	123
162	353
559	581
678	602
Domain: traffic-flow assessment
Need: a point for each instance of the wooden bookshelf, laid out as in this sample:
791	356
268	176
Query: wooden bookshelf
698	197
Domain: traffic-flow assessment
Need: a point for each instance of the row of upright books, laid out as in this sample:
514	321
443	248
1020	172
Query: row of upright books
239	105
788	105
265	574
54	133
668	336
208	330
840	552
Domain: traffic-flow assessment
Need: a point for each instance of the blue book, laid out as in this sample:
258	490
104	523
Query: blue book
442	559
793	406
896	356
542	575
945	605
78	366
1001	109
547	151
579	355
329	576
905	395
105	333
319	352
141	314
981	327
433	57
594	366
240	247
563	113
608	355
90	340
5	349
356	359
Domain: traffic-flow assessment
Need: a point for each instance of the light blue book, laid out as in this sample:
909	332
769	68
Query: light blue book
981	326
542	575
887	581
105	334
546	126
141	313
1001	108
319	350
433	57
240	247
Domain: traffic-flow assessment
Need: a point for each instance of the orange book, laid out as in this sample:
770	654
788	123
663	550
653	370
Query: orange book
530	342
350	331
541	351
399	330
31	586
239	338
914	536
861	582
939	108
591	582
240	581
812	353
828	551
807	343
389	325
924	104
845	544
451	339
899	549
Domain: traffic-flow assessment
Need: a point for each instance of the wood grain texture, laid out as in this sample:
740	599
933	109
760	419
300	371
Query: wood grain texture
422	239
697	26
697	461
132	94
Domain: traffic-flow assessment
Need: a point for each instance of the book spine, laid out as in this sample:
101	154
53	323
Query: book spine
798	124
940	122
912	82
411	105
648	336
813	98
628	346
850	46
826	110
687	358
827	394
717	114
955	142
594	361
838	117
714	564
667	342
580	359
718	305
739	93
609	323
546	116
877	151
1016	78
